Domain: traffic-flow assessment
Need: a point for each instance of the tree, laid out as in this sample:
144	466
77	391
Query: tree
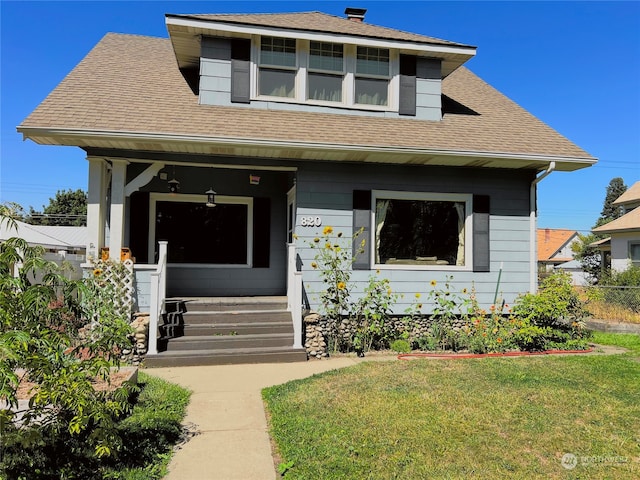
610	212
66	208
589	257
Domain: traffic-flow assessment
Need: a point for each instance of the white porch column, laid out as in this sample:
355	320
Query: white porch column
116	223
96	206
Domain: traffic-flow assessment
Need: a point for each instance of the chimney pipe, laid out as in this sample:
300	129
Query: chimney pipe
355	14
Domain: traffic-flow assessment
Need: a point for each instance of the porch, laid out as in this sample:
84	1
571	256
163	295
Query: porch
191	254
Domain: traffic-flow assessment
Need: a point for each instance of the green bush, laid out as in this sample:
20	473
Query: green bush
144	439
400	346
556	302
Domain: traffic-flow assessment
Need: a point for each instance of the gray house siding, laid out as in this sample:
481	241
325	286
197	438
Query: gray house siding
327	191
215	71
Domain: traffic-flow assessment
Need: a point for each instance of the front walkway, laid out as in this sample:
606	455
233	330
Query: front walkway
227	410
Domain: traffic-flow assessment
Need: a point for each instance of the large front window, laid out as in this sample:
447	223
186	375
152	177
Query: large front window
421	229
197	234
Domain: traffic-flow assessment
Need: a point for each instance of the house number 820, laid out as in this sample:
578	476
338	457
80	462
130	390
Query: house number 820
310	221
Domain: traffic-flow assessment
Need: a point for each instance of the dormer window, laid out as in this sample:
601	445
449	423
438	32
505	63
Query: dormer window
278	67
372	76
325	72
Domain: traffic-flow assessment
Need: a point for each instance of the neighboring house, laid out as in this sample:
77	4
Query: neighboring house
554	247
60	244
624	232
300	121
574	268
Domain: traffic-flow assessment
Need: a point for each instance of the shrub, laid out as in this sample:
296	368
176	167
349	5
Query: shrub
556	302
145	441
40	340
400	346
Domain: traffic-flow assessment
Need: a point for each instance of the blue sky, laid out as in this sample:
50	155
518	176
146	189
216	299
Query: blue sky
575	65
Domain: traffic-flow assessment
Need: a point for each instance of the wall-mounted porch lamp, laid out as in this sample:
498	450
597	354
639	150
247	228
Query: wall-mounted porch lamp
211	198
174	185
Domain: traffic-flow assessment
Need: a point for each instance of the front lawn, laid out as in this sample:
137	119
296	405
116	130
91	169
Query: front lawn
487	418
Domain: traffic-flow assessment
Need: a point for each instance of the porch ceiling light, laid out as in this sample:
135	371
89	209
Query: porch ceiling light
174	185
211	198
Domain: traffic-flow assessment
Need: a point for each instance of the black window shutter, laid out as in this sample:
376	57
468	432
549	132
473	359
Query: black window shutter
261	232
240	71
139	226
481	244
361	220
407	104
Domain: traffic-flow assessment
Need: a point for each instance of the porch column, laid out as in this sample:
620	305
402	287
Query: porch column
116	224
96	206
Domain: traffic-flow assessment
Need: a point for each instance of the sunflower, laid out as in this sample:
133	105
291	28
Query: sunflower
327	230
341	285
433	283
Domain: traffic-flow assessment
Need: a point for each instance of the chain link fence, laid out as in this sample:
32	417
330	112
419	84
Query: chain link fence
612	303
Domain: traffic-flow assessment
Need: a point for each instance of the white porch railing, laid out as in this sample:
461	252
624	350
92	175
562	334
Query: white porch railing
294	294
158	297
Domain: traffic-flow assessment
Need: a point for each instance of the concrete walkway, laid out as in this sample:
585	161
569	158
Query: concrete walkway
227	410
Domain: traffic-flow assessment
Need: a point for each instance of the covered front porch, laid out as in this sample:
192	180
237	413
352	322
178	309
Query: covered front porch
196	229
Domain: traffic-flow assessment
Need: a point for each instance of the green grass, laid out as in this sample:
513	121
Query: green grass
628	341
490	418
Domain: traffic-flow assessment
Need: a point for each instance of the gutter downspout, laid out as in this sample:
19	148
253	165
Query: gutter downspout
533	254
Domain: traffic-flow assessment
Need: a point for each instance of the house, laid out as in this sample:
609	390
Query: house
554	247
60	243
624	232
288	123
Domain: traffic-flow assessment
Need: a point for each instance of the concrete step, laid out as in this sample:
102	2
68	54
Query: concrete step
205	317
222	342
236	328
226	357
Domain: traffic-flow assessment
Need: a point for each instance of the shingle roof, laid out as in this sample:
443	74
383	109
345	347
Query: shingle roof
550	240
131	83
632	195
629	222
318	22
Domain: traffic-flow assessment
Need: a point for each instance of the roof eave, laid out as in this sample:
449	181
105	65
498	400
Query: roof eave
392	154
185	28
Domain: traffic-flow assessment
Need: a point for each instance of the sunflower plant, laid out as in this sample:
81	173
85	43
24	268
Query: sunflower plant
333	260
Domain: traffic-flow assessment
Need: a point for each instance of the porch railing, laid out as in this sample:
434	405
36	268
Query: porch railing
158	297
294	294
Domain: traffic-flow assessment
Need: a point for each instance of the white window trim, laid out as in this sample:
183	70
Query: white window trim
425	196
348	81
220	199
